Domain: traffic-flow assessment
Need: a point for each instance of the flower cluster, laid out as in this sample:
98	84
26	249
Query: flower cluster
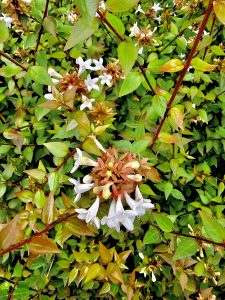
113	179
79	86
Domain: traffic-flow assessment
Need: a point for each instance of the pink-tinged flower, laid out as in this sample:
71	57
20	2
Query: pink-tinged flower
86	102
80	188
83	65
118	216
105	79
90	215
134	30
91	83
139	205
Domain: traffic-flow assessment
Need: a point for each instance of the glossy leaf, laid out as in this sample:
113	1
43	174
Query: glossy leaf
173	65
127	54
152	236
219	9
40	75
116	23
11	233
50	25
163	222
94	271
201	65
41	245
213	228
130	84
120	5
81	31
186	248
58	149
4	32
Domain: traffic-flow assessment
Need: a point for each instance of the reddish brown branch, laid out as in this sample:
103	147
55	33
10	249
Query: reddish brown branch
181	77
122	39
13	60
44	231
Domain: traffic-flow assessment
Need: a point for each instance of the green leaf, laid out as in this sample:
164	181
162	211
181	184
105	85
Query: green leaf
50	25
201	65
73	274
213	229
39	198
53	181
87	8
186	248
81	31
4	32
25	196
120	5
90	147
10	70
127	54
130	84
178	195
58	149
217	50
152	236
140	146
168	187
36	174
2	189
163	222
116	23
40	74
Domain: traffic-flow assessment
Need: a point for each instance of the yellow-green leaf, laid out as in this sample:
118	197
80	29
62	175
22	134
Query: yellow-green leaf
58	149
120	5
90	147
78	227
219	9
94	271
4	32
105	254
127	54
201	65
173	65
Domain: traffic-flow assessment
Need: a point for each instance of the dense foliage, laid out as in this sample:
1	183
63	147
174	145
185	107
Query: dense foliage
112	149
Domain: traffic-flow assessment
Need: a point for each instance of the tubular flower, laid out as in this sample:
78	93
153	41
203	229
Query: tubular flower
113	178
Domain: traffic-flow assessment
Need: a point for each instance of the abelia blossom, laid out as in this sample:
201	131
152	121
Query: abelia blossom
83	65
105	79
8	20
91	83
156	7
113	178
139	9
90	215
86	102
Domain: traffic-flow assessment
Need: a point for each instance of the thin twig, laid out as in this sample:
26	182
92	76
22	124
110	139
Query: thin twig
42	27
183	72
13	60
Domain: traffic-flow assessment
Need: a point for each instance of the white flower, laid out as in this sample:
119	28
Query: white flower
98	65
72	17
134	30
144	271
27	1
153	277
83	65
91	83
49	97
105	79
55	78
82	160
141	255
86	103
80	188
90	215
139	205
139	9
182	55
118	216
7	20
140	51
156	7
158	19
102	5
98	144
